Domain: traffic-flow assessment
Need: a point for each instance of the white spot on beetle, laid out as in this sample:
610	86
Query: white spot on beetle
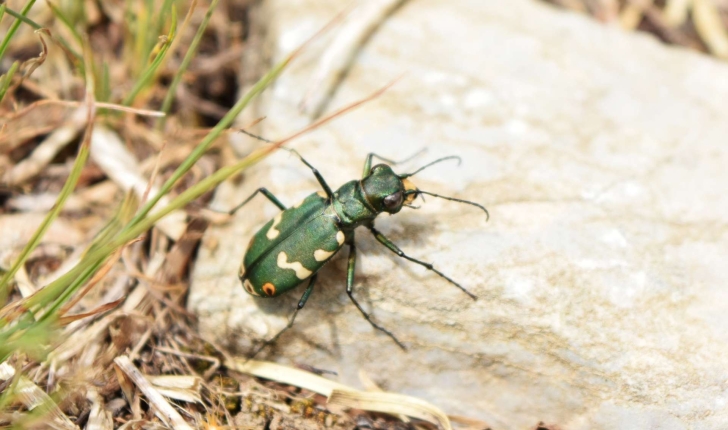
322	194
272	232
321	255
340	237
301	272
241	272
249	288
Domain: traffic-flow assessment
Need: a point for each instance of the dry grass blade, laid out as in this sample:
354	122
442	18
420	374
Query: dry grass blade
676	12
286	375
178	387
633	13
392	404
342	395
701	25
709	25
99	418
166	412
99	310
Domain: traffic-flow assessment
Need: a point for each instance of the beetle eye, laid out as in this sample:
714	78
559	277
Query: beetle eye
393	201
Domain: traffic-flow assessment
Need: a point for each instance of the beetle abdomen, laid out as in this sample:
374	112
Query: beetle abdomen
291	248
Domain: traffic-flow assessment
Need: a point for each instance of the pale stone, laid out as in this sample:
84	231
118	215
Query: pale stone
603	159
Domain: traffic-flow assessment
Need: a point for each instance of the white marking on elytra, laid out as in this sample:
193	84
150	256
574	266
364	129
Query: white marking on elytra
321	255
301	272
272	232
249	288
322	194
340	237
241	273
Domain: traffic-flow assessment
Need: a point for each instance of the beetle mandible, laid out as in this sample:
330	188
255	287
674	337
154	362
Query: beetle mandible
296	243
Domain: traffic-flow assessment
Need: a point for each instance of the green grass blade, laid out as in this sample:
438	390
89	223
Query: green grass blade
162	16
14	27
150	72
21	17
66	22
5	83
167	103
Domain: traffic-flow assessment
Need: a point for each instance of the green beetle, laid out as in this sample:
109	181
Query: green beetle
296	243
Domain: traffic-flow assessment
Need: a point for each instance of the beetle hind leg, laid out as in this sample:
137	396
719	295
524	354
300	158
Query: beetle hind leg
350	291
301	304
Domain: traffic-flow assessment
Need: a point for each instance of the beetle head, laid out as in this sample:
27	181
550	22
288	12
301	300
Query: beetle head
386	191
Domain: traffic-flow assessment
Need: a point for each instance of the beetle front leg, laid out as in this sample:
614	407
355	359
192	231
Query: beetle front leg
301	304
350	291
266	193
371	155
394	248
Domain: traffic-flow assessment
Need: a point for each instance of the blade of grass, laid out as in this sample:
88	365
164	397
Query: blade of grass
146	77
4	84
139	17
22	18
161	16
167	103
14	27
65	21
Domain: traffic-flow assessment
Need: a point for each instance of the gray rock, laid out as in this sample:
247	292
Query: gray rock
602	157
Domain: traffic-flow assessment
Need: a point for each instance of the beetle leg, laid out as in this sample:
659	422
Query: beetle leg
368	162
350	291
319	178
301	304
266	193
394	248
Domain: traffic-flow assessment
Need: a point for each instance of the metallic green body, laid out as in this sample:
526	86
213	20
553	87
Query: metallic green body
297	242
301	231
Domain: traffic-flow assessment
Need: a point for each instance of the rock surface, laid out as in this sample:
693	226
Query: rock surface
602	157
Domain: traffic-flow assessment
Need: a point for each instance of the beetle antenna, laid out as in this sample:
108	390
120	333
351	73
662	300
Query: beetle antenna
452	199
450	157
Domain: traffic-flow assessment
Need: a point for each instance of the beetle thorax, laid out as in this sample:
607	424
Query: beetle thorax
351	206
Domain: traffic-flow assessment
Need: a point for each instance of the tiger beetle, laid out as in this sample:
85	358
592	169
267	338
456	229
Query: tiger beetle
296	243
